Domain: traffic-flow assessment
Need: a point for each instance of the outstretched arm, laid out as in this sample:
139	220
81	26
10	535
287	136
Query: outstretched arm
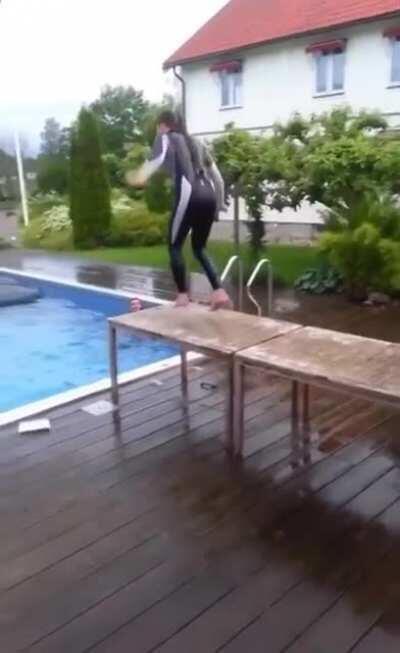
150	167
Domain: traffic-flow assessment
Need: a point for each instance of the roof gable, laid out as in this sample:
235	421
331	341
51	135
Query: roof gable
243	23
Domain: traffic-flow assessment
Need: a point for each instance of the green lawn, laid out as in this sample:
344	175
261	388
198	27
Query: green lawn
289	262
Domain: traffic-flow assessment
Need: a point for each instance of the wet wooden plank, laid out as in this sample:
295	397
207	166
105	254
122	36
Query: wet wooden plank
362	366
221	622
138	456
124	570
89	621
309	533
380	638
150	629
63	427
359	608
317	611
221	332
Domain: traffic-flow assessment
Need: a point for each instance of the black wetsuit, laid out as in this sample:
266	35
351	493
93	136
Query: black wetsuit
198	195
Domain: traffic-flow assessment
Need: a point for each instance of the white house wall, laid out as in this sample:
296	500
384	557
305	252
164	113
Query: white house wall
279	79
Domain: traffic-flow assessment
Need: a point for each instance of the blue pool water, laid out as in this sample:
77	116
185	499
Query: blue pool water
60	342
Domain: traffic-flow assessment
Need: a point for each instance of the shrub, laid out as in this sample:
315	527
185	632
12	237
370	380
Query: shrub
121	203
39	234
56	219
136	228
320	281
363	244
89	186
158	194
365	259
42	202
53	174
114	169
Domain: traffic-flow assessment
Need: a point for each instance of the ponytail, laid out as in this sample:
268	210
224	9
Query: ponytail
176	123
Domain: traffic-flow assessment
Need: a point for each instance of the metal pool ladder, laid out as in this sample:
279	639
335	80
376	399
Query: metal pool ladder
235	260
270	285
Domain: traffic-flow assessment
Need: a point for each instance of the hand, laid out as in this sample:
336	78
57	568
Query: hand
135	178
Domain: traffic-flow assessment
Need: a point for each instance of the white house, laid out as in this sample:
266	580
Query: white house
259	61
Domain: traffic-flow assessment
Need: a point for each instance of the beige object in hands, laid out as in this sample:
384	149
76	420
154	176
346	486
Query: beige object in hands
140	177
135	177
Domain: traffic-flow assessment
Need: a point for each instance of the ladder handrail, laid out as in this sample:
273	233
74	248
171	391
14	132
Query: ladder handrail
270	286
235	259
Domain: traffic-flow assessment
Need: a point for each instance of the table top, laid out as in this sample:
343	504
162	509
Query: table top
370	368
222	332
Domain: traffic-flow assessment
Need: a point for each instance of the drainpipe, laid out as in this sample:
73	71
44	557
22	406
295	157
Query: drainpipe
183	84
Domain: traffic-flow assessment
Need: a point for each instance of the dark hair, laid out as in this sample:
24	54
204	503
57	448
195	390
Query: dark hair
170	119
175	122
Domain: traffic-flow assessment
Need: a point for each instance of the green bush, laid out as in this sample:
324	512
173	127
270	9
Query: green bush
363	244
42	202
131	225
136	228
38	235
158	194
319	281
53	174
56	219
90	200
364	259
121	203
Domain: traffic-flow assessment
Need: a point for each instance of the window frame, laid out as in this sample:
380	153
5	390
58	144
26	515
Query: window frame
394	52
234	81
328	55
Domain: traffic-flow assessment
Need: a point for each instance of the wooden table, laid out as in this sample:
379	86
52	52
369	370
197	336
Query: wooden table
220	334
362	367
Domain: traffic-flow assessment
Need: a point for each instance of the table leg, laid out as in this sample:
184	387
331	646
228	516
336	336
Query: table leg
184	372
184	376
112	340
238	407
295	424
306	425
229	411
306	413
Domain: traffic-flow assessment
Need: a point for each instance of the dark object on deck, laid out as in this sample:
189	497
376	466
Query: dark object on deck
209	386
11	295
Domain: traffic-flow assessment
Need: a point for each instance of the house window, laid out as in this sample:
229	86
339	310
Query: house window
231	88
330	66
395	76
229	76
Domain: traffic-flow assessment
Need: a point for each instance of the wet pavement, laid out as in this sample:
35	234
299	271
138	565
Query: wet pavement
8	225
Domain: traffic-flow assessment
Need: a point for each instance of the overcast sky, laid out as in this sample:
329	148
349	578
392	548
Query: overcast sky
57	54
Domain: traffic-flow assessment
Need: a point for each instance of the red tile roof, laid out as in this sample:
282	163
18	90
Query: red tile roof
242	23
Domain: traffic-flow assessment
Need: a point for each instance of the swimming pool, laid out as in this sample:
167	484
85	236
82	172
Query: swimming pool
59	343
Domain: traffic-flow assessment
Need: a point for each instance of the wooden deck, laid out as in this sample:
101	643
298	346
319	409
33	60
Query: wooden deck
147	538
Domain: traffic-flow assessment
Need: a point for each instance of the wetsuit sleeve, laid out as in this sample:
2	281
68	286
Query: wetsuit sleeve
157	158
216	177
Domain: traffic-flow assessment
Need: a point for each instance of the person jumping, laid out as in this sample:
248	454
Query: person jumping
199	196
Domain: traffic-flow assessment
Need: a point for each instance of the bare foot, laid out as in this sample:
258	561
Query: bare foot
182	300
221	300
